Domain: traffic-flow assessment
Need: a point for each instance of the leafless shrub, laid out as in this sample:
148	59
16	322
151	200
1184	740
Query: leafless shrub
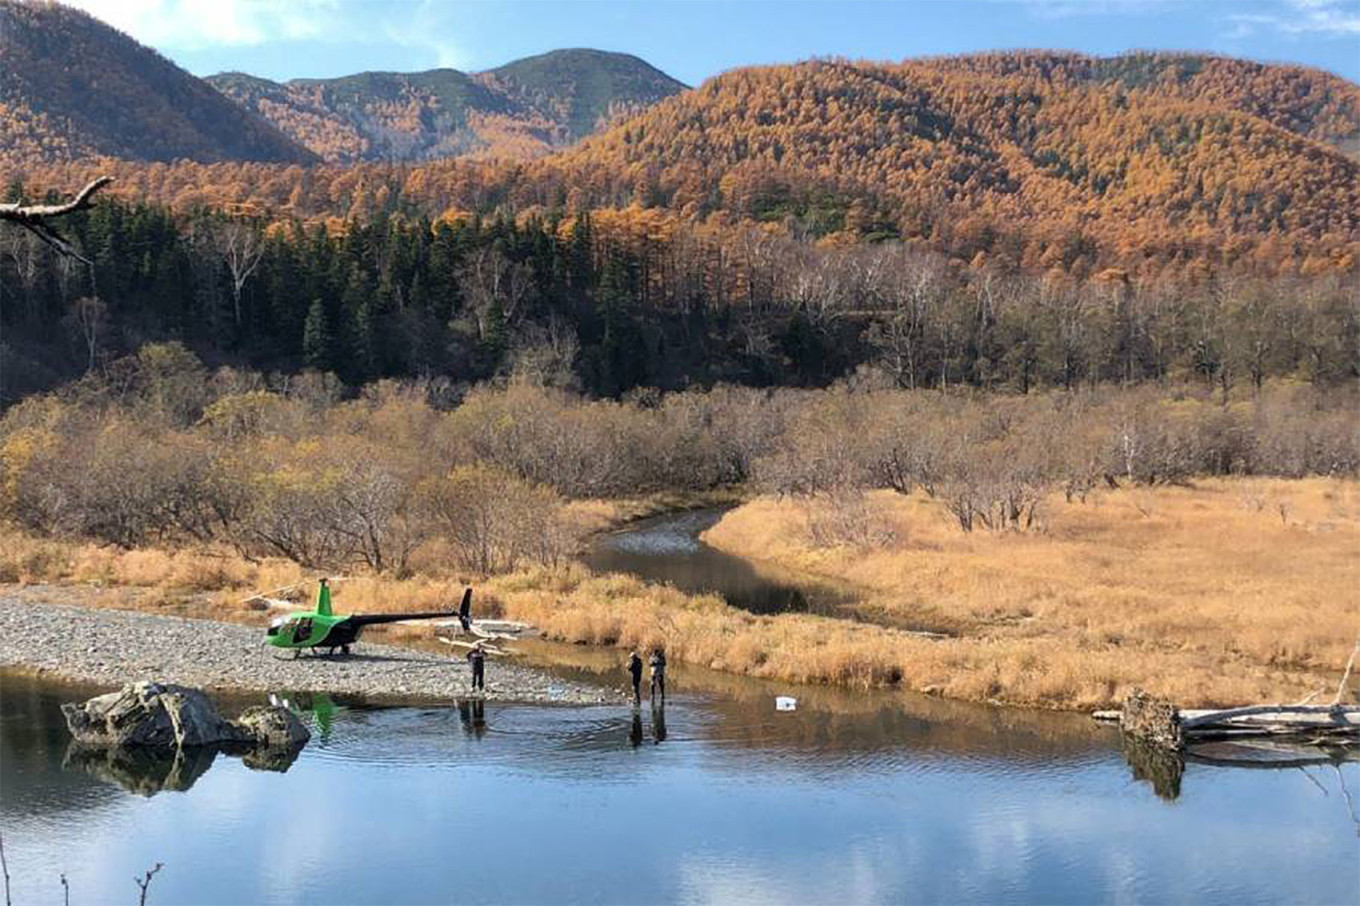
327	504
153	448
545	355
495	521
848	518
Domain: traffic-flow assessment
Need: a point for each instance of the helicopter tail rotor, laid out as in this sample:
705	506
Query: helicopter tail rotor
465	610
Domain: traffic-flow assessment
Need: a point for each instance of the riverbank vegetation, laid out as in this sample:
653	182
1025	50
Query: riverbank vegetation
1069	544
1223	591
158	449
1019	635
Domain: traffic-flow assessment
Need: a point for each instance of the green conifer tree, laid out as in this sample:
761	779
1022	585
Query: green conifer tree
318	343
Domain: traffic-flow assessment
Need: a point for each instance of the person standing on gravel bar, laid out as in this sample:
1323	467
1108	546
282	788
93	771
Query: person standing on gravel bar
635	670
477	658
658	662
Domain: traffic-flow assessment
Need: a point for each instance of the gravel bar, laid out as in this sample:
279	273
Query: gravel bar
111	647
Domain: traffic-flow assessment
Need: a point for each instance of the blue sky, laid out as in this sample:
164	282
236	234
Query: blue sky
694	39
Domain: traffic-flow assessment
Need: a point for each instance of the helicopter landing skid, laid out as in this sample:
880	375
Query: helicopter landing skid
344	651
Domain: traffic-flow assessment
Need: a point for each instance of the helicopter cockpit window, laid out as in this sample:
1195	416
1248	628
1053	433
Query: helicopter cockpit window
302	631
275	625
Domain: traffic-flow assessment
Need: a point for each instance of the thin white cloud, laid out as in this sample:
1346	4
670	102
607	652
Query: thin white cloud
195	24
430	26
1330	16
1066	9
1326	18
426	28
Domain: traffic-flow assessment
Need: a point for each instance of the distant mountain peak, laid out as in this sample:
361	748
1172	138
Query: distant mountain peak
526	108
72	86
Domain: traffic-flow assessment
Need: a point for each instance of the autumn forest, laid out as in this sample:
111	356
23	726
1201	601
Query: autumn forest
428	325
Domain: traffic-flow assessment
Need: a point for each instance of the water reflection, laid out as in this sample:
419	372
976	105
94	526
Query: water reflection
635	729
147	771
472	715
741	803
658	724
317	709
837	723
143	771
1161	768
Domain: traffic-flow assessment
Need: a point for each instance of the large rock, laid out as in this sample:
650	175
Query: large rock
272	727
164	715
150	714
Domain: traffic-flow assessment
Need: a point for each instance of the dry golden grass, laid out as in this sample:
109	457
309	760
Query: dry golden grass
1230	591
25	559
1209	596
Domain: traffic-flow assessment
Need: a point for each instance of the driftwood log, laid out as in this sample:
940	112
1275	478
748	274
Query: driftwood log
1161	724
34	218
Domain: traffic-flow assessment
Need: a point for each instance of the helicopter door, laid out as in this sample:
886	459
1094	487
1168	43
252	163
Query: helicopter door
302	631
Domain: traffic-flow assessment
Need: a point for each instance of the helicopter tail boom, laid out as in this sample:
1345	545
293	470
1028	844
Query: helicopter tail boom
360	619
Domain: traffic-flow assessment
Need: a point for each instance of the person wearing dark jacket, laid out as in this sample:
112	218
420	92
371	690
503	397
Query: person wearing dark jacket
658	662
477	658
635	671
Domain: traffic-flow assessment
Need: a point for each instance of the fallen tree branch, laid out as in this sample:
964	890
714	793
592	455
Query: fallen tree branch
16	211
1307	698
34	217
4	866
1321	715
145	881
1345	677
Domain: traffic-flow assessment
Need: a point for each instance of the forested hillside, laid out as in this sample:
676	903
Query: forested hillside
883	149
1035	161
1005	221
610	302
523	109
72	87
1304	101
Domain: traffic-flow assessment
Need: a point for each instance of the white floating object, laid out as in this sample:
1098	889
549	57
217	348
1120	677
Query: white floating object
785	703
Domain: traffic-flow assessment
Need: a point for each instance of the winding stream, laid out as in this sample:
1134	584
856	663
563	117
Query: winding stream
853	797
667	549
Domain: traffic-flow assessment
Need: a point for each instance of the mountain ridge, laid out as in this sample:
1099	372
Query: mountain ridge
904	140
525	108
1036	156
120	98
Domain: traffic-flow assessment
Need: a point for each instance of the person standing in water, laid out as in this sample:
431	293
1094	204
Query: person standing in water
635	670
658	662
477	658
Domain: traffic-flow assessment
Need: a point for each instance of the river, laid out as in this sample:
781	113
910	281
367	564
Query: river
853	797
667	548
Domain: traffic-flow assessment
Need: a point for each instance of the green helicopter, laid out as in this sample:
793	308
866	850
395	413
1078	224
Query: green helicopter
322	628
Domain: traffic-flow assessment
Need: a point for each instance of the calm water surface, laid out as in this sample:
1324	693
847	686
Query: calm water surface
727	802
852	798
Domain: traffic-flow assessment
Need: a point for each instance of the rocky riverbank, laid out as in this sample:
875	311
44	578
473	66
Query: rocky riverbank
111	647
